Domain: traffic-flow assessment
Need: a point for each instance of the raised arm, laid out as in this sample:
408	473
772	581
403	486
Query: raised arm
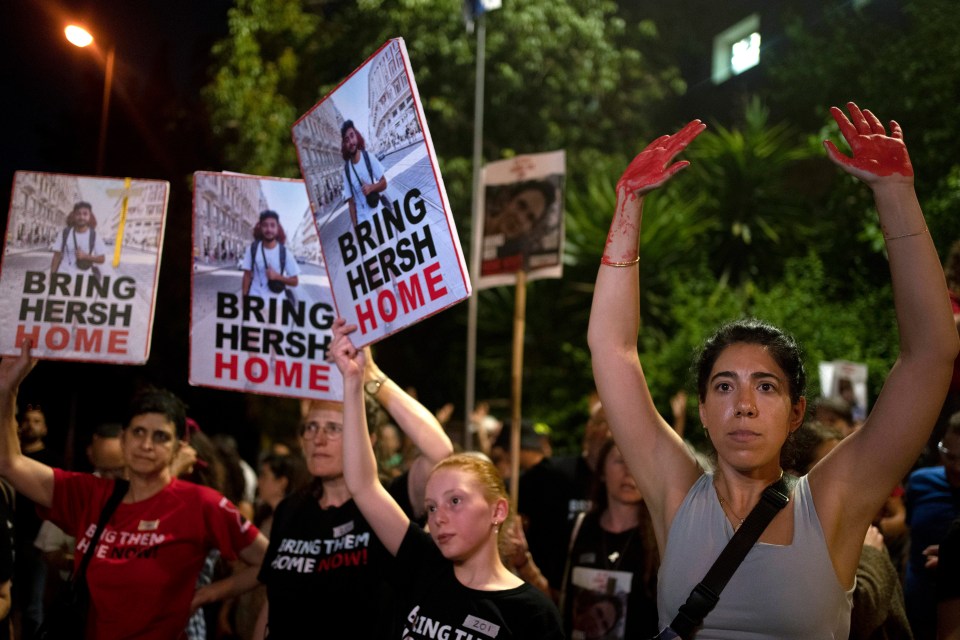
415	420
359	463
31	478
657	458
851	484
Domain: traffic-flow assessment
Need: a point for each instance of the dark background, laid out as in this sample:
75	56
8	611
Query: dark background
52	94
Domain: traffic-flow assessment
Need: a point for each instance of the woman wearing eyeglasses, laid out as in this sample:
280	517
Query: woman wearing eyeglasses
141	577
323	555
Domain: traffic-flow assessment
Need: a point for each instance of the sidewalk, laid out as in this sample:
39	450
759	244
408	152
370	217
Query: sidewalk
200	267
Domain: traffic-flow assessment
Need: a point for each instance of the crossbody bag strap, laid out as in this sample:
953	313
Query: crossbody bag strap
359	181
705	595
119	490
283	256
366	159
566	570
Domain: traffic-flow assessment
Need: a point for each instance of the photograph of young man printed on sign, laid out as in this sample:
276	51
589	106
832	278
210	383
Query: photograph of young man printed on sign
388	238
261	311
523	218
80	266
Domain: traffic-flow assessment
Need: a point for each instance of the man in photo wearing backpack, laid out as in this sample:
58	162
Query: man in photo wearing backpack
77	249
364	182
268	268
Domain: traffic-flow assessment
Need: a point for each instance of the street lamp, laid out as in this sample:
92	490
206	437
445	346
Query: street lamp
80	37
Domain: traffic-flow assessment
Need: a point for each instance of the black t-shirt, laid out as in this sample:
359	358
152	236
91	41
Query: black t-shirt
545	494
605	588
948	564
6	545
582	479
325	572
435	605
27	522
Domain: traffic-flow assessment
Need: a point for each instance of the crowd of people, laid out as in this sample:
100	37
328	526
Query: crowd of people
174	535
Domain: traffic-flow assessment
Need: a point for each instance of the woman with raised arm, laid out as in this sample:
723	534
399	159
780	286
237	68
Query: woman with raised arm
142	572
323	554
454	583
751	385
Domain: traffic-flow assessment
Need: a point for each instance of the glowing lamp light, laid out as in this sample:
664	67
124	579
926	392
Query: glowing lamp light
78	36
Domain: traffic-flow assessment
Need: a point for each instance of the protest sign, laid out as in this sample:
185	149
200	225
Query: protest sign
388	238
261	314
522	226
846	380
80	266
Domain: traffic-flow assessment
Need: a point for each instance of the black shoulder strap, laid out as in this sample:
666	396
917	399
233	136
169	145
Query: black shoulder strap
119	490
63	244
366	158
566	571
253	254
93	238
346	172
283	256
705	595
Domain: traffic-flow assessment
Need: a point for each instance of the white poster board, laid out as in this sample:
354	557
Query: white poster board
81	261
846	380
395	258
243	335
522	226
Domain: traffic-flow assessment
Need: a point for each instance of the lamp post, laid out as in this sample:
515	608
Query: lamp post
80	37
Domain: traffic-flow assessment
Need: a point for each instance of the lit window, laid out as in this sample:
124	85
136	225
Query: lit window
736	49
745	53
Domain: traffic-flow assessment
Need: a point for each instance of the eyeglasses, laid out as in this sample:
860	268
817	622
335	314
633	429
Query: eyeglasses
331	430
951	457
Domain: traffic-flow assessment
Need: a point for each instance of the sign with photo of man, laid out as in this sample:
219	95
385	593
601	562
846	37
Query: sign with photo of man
80	266
387	235
261	308
522	228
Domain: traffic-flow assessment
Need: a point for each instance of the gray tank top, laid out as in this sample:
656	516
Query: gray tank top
778	593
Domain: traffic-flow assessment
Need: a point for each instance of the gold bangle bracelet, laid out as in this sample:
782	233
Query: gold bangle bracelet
611	263
905	235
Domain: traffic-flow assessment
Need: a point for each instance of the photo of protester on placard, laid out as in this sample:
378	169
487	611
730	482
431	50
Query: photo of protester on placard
523	218
78	248
261	309
847	381
386	232
80	266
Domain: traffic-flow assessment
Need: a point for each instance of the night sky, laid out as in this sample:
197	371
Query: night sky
52	95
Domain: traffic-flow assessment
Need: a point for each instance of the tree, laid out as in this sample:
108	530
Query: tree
757	212
560	74
901	60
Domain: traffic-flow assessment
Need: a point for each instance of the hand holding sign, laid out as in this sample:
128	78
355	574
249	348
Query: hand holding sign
14	369
877	157
349	360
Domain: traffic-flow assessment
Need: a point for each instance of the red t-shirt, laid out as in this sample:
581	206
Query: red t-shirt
143	573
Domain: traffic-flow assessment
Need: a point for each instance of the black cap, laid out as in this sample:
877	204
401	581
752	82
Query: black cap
346	125
531	435
269	214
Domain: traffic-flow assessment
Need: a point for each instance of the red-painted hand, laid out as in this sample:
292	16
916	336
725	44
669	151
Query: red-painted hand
875	154
649	169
